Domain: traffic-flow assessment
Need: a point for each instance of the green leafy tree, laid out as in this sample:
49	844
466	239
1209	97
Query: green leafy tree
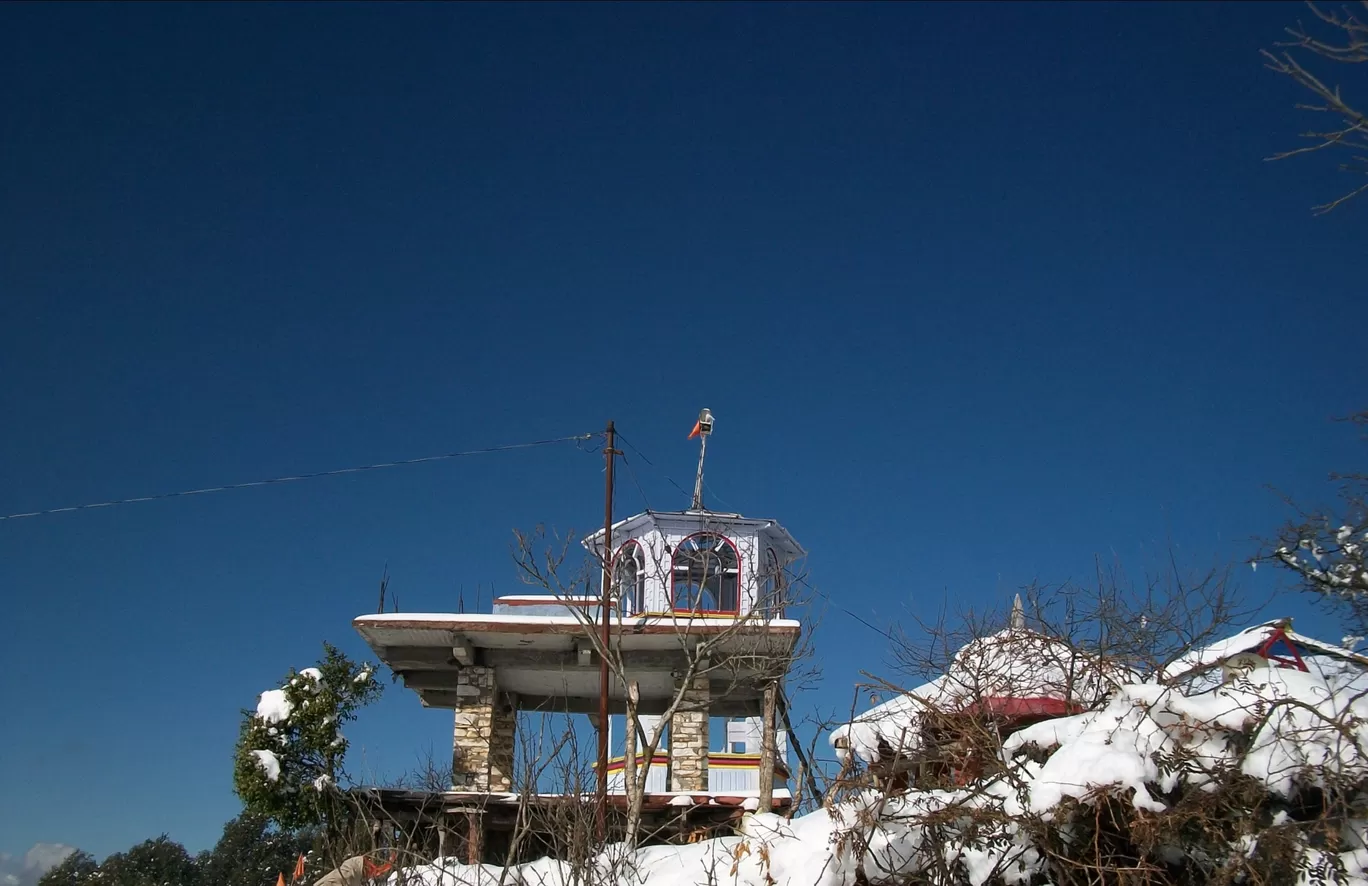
159	862
77	869
251	852
290	751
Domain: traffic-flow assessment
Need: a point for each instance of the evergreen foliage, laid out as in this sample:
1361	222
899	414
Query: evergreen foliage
253	853
290	751
77	869
158	862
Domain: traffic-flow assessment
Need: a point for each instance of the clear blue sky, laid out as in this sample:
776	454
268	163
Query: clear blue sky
976	292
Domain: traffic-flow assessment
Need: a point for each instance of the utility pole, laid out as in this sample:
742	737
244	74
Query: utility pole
605	605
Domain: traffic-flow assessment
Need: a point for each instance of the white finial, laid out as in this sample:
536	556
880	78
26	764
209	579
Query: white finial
1017	620
701	429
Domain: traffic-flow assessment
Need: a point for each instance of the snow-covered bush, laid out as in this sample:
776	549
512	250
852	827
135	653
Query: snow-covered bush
291	749
1259	781
1327	549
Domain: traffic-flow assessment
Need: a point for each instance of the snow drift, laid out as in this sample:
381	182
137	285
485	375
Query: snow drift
1145	745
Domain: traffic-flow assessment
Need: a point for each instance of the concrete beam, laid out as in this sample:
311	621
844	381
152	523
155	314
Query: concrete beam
655	681
431	658
409	658
731	706
461	650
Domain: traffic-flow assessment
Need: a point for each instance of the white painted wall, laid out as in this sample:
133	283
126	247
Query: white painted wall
660	536
748	732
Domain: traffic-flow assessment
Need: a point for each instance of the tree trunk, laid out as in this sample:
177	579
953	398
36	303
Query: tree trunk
767	749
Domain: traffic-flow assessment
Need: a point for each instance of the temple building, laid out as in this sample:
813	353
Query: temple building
697	629
944	733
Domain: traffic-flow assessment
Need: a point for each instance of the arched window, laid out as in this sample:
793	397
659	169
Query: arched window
629	579
705	573
772	586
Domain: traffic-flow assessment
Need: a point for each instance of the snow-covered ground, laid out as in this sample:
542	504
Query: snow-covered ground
1145	744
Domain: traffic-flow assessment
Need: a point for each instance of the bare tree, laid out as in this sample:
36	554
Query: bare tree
959	762
736	655
1325	549
1239	774
1070	643
1341	36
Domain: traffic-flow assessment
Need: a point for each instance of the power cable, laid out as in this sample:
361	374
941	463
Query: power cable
293	478
631	473
686	494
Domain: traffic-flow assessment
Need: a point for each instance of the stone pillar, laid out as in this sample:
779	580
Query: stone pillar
689	738
483	733
503	734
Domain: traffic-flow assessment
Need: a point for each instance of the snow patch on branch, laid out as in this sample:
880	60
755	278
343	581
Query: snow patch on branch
269	763
274	706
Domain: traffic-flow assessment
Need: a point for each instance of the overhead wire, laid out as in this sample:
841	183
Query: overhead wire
635	482
652	464
577	438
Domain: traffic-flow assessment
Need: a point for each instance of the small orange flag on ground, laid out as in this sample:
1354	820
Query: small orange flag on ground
281	880
698	428
298	871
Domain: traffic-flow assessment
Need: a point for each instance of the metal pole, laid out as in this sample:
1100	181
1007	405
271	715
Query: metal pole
605	599
698	479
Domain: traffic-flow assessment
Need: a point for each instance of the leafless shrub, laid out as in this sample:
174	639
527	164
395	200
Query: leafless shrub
1340	36
734	656
959	765
1326	549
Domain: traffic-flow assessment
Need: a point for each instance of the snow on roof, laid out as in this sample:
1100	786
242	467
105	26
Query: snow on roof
474	621
1021	663
891	723
1014	663
1026	664
717	520
1250	640
1120	744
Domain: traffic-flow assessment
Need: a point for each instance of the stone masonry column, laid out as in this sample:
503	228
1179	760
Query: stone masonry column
483	733
689	738
502	736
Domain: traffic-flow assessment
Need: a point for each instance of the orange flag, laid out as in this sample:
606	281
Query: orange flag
698	428
298	871
281	880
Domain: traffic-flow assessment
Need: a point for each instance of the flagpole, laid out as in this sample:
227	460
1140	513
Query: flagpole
698	481
702	429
